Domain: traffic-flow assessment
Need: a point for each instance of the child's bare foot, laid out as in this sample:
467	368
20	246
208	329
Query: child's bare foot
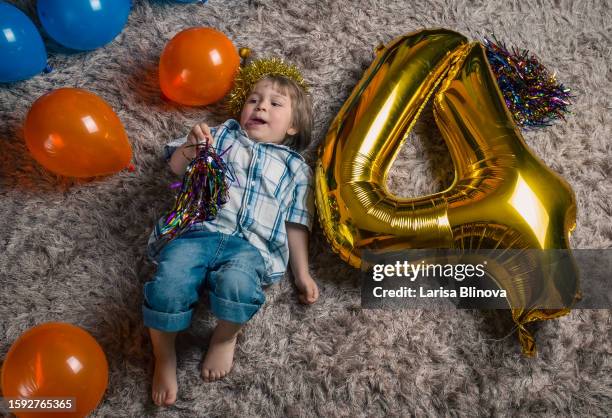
164	381
220	355
164	388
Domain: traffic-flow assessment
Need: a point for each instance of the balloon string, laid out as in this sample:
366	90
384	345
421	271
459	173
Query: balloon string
512	331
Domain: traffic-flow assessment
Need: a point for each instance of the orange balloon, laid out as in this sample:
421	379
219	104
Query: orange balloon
198	67
57	360
75	133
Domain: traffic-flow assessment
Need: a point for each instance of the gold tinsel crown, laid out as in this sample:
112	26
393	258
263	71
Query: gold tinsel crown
250	74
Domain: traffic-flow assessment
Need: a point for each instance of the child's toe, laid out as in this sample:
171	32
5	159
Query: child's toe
170	398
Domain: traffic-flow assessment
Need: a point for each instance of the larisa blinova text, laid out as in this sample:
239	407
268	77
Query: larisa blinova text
464	292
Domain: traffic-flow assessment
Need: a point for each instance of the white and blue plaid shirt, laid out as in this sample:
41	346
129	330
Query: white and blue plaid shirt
273	185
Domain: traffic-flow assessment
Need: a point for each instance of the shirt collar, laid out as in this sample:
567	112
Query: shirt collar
234	125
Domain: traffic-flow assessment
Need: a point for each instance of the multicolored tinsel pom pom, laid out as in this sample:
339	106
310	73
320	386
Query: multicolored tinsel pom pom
205	188
532	94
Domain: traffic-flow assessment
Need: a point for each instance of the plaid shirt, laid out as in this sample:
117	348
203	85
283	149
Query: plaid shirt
274	186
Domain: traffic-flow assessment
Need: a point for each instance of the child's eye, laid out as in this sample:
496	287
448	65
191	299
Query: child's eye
276	104
251	101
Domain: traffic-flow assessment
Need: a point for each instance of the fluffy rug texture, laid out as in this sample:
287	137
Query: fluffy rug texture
74	250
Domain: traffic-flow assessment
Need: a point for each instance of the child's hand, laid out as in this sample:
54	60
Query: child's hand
308	289
200	134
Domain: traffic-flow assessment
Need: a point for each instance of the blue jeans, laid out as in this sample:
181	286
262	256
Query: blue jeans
226	266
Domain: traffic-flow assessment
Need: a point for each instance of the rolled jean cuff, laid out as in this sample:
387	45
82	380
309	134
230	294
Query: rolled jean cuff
167	322
232	311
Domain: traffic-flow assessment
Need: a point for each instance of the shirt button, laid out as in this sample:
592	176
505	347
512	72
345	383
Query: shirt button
253	183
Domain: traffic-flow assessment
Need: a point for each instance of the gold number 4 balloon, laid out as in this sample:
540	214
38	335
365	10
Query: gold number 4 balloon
502	195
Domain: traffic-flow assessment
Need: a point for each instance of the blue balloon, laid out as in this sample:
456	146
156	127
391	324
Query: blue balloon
22	52
83	24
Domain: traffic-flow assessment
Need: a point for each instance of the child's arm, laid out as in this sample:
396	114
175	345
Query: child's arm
297	236
187	152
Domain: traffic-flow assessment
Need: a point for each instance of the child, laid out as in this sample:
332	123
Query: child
264	224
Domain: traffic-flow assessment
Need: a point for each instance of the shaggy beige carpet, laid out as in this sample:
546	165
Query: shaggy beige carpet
74	251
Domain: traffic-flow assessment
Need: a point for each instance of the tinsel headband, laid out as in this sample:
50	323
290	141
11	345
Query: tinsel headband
250	74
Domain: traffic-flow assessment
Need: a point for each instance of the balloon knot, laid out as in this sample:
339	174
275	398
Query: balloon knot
244	52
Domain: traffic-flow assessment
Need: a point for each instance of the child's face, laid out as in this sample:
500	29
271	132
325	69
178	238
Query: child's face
266	115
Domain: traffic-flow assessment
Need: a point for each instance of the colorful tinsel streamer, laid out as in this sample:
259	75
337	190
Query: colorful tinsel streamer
532	94
205	188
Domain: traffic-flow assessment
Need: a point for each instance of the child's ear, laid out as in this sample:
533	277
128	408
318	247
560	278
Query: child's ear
292	131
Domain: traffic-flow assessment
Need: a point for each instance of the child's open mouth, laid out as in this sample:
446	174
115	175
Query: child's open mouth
256	121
